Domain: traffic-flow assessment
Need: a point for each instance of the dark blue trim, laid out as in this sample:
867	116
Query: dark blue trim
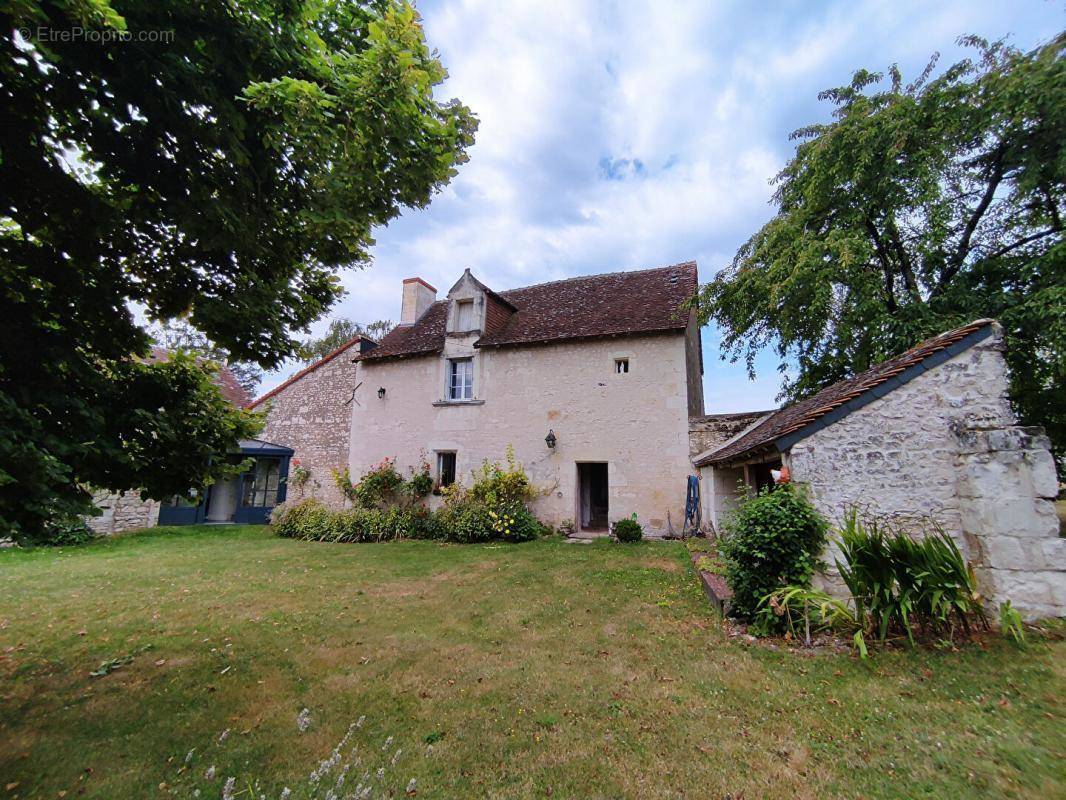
785	443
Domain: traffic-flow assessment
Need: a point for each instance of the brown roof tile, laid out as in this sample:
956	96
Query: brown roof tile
619	303
792	418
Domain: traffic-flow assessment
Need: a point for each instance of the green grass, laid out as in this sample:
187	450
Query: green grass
502	671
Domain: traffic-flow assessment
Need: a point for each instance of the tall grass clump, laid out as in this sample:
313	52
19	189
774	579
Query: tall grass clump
904	585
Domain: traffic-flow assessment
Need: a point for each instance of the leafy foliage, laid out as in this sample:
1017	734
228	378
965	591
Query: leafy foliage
495	505
178	334
63	533
388	506
772	540
628	530
818	611
158	428
312	520
222	177
897	582
340	331
1010	622
918	208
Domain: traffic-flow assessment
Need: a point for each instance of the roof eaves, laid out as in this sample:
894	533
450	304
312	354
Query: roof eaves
863	397
868	396
307	370
705	458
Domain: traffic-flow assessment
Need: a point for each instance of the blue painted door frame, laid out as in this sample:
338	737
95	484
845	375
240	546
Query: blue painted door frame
243	514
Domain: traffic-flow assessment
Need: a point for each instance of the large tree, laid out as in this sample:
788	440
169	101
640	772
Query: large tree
340	331
217	161
919	207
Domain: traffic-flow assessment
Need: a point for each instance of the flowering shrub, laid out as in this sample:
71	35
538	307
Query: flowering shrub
421	481
387	507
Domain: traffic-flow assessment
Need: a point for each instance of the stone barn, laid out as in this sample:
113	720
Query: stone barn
928	434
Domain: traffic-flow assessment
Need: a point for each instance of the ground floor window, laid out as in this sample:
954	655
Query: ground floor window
445	469
261	486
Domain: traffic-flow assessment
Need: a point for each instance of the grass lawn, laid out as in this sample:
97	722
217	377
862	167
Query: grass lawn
535	670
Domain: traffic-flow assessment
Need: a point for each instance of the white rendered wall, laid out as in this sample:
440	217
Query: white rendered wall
637	422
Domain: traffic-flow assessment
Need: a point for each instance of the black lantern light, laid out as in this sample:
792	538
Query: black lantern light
550	439
381	393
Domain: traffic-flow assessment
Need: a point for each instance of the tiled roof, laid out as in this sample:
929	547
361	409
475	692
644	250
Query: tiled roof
877	381
619	303
228	385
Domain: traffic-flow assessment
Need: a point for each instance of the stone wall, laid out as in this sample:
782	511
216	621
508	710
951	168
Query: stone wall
1007	487
714	430
312	414
937	447
636	422
123	512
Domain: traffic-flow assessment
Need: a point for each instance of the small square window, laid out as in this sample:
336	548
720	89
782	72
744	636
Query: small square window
621	365
445	469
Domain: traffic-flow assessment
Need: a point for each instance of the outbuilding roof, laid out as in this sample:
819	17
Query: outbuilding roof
594	306
783	428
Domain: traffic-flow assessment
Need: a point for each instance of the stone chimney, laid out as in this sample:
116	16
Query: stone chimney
417	297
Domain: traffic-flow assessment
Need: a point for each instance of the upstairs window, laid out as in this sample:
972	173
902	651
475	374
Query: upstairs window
461	379
464	315
621	365
445	469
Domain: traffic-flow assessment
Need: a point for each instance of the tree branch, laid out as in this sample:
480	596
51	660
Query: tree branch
905	261
954	264
886	266
1023	241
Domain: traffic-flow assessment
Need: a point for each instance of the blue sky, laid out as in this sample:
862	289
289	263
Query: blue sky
624	135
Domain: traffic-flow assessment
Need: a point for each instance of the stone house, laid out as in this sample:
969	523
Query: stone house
311	412
927	434
591	381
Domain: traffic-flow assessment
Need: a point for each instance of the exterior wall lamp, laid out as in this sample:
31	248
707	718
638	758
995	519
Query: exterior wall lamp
381	393
550	439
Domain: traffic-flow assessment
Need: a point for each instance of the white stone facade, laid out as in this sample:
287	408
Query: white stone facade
943	447
636	422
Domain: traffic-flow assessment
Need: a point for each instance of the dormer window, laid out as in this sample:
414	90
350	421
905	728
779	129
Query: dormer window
464	315
461	379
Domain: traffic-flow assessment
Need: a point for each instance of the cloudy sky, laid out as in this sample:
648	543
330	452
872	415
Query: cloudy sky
623	135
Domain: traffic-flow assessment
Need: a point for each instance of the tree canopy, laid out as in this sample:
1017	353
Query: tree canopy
919	207
214	161
178	334
340	331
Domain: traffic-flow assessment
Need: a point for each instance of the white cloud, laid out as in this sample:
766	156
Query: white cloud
702	95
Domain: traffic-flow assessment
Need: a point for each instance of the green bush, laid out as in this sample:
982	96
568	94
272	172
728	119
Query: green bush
628	530
387	507
62	532
772	540
312	520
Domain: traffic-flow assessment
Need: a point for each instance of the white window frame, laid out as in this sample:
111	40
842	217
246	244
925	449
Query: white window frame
460	381
441	454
